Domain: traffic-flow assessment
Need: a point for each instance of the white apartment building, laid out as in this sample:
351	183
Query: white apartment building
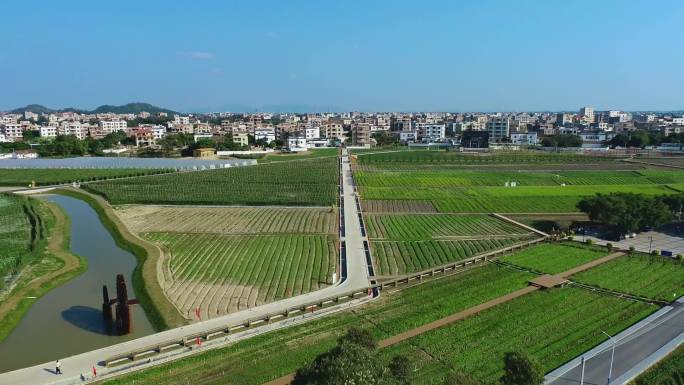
13	132
498	128
77	129
48	132
109	126
296	143
524	138
587	113
177	119
431	131
267	134
678	121
312	133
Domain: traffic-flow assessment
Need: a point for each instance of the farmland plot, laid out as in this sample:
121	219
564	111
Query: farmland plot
417	227
551	326
553	258
49	176
219	274
15	234
301	183
403	257
643	275
229	220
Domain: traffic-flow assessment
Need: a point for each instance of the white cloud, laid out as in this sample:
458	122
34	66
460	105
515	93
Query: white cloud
197	55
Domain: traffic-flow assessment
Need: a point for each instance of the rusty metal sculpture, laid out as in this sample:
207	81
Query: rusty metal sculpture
122	308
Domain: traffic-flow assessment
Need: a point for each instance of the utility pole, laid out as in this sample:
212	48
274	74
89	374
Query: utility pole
612	355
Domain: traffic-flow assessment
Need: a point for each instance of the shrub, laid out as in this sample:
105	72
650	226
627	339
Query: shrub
589	242
631	249
609	246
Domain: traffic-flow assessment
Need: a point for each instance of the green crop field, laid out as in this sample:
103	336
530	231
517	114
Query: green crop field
407	243
15	233
312	182
479	341
553	258
223	273
310	154
460	158
425	226
644	275
265	357
403	257
551	326
431	180
49	176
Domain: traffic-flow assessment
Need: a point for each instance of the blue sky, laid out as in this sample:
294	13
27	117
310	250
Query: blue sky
481	55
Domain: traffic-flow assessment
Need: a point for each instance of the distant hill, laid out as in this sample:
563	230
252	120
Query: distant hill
130	108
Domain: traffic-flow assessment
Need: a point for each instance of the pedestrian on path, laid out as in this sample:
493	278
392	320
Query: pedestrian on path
58	366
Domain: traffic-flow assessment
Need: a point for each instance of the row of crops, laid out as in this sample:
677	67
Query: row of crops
464	178
229	220
648	276
426	226
224	273
21	232
51	176
460	158
551	326
309	182
403	257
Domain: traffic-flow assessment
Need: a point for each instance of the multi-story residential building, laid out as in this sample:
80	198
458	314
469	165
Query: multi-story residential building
110	126
177	119
498	128
13	132
587	114
431	131
76	128
333	130
312	133
361	134
48	132
407	136
241	138
562	119
265	133
524	138
297	143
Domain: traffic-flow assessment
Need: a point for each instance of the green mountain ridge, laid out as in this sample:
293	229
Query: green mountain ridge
130	108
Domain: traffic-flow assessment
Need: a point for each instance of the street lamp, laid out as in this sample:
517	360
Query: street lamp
582	377
612	355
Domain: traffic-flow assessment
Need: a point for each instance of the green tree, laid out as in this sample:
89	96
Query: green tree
519	369
383	138
353	361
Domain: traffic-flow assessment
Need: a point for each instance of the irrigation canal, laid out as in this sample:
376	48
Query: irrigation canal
68	319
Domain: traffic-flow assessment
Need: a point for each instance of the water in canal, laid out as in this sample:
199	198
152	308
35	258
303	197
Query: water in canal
68	320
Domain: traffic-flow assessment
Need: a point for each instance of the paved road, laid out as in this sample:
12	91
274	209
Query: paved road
357	278
629	351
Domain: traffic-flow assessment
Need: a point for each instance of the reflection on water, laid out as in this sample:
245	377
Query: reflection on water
68	320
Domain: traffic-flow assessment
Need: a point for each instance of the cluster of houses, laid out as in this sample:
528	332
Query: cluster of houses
298	132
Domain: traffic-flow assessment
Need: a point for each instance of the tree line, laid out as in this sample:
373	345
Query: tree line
356	360
629	212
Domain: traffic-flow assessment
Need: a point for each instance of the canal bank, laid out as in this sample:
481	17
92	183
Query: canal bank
67	320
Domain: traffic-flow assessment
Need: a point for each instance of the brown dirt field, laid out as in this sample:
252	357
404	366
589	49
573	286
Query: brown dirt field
228	220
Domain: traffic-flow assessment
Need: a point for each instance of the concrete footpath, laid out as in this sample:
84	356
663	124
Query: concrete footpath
356	278
636	349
